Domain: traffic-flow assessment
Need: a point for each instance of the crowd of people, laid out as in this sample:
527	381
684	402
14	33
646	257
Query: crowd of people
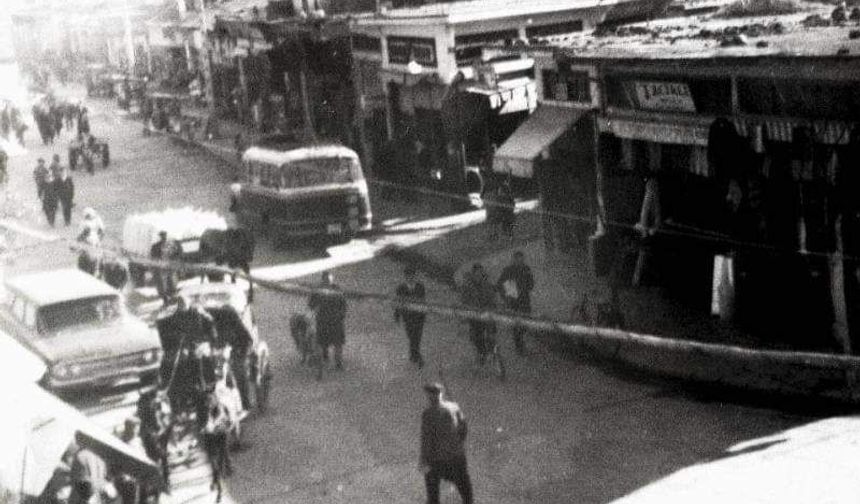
12	125
52	114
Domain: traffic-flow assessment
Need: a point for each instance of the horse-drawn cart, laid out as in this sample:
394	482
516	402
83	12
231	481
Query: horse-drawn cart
212	349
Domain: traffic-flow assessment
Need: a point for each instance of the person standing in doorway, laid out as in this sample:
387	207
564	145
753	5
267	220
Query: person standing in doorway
515	285
443	440
330	310
65	194
411	290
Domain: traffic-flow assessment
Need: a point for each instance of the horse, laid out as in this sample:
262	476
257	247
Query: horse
233	247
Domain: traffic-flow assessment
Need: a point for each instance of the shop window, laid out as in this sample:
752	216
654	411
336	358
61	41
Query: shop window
366	43
554	29
578	87
402	50
553	88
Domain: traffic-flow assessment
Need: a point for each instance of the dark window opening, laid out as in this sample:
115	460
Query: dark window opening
366	43
578	87
799	98
554	29
403	49
486	38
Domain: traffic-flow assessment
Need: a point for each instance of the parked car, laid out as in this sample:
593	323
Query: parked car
79	326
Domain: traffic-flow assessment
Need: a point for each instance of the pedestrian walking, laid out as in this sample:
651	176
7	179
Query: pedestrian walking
84	121
18	125
443	446
50	198
215	443
330	312
515	285
4	172
92	228
55	166
40	175
66	194
5	122
165	279
413	321
500	211
480	294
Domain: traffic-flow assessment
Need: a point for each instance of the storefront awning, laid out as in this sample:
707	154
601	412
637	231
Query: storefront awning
516	156
42	428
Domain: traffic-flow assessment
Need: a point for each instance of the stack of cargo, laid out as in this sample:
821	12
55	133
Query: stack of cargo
185	225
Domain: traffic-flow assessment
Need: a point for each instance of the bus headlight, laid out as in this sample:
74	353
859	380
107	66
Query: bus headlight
235	188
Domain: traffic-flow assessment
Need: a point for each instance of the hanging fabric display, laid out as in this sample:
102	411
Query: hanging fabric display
725	149
723	288
803	148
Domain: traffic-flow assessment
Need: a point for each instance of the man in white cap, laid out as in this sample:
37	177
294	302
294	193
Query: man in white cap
92	228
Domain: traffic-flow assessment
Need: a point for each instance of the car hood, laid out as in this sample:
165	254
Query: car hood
97	342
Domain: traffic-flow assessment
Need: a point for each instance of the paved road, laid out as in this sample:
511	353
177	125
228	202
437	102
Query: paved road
559	431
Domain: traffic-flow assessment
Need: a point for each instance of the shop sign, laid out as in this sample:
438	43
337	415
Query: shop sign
674	96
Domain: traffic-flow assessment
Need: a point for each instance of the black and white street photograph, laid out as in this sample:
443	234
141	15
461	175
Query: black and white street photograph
430	251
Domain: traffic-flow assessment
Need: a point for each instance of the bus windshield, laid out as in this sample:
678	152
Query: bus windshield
317	171
305	173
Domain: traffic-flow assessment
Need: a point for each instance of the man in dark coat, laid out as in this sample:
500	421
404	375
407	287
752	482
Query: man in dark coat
50	197
411	290
65	188
330	310
165	250
443	451
479	293
84	121
515	285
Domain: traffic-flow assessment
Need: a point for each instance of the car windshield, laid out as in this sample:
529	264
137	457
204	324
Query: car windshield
96	310
212	298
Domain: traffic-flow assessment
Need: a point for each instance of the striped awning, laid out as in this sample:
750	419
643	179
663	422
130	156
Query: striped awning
517	155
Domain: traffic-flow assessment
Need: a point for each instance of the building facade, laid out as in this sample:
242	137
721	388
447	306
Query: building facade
720	173
430	102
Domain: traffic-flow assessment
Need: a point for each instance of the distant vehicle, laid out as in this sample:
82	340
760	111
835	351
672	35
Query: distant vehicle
79	327
306	190
185	226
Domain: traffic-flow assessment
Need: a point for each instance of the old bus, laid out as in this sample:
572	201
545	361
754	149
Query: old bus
309	190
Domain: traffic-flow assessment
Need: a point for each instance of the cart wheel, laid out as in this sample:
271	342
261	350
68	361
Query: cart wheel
263	385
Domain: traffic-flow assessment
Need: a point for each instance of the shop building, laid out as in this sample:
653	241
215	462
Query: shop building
718	168
285	66
430	104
